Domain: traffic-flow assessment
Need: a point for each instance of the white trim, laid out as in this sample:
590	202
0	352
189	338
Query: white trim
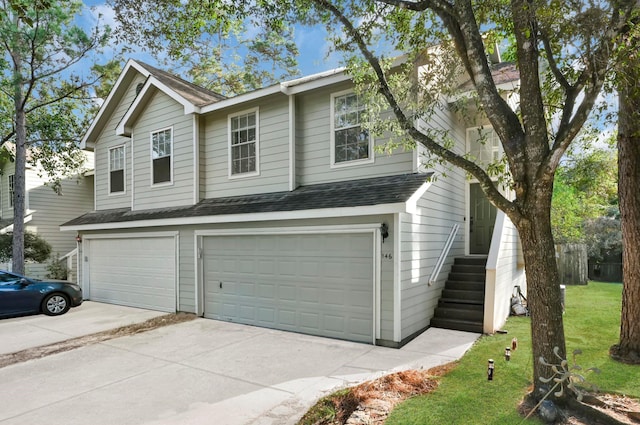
240	218
412	202
124	170
199	276
397	278
176	275
133	175
152	83
130	64
377	283
332	137
509	86
9	228
299	230
292	87
136	235
255	172
292	143
170	182
196	158
241	99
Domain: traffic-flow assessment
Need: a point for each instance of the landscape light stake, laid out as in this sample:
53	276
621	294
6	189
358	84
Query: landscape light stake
507	353
490	370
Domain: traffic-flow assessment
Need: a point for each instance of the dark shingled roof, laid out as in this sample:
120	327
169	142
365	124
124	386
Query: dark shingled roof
503	72
353	193
197	95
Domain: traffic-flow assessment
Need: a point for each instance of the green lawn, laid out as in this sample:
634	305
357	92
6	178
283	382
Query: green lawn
465	396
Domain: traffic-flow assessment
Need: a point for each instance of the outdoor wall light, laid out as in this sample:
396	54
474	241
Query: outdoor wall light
78	238
384	231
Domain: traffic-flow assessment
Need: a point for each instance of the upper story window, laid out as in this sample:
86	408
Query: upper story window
12	188
483	145
116	169
350	142
161	153
243	143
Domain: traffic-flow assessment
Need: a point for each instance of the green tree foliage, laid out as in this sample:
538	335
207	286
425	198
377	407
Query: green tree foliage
36	248
585	202
563	52
41	97
220	46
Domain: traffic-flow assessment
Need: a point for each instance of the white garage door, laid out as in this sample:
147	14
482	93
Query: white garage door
320	284
136	272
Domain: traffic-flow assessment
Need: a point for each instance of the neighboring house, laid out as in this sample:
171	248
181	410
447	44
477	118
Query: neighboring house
273	209
45	210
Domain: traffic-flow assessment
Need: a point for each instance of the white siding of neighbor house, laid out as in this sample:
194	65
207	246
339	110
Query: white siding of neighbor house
107	140
161	113
273	146
505	271
425	233
313	148
49	210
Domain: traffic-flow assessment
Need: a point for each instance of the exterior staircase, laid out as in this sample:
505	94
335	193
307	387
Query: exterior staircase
462	304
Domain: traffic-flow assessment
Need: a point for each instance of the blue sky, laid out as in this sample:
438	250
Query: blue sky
311	42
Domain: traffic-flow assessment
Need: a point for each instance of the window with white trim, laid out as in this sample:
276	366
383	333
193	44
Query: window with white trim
11	189
350	142
116	169
161	153
243	143
483	145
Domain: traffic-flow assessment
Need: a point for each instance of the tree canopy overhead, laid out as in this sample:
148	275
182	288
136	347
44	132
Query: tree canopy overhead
42	99
563	54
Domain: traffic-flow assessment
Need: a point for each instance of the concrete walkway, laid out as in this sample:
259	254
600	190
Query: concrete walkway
19	333
204	372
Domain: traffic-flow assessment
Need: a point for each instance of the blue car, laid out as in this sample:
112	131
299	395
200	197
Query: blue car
21	295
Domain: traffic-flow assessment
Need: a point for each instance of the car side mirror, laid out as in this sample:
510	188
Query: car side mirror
24	282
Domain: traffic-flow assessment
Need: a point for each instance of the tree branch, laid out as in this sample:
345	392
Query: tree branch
383	87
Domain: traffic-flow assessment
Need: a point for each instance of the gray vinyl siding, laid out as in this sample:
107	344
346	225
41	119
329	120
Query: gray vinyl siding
424	235
107	140
273	159
313	149
186	271
163	112
202	163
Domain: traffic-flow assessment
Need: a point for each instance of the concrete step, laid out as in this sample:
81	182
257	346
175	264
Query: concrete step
458	325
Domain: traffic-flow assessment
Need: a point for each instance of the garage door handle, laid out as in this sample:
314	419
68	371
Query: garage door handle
220	284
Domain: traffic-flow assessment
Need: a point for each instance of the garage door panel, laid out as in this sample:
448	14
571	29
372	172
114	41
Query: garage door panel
137	272
306	283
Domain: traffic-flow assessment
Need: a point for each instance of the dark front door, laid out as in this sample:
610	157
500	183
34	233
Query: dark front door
482	217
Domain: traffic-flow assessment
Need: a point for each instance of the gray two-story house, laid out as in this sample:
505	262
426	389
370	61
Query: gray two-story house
273	208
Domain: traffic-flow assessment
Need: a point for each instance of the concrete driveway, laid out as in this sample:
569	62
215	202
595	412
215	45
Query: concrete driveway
204	372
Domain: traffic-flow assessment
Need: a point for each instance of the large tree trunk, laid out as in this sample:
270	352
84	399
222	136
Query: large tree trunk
628	349
17	259
543	286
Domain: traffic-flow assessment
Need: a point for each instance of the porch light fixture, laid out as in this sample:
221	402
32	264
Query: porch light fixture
78	238
384	231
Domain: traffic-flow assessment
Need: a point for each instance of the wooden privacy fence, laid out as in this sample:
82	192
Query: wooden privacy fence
572	264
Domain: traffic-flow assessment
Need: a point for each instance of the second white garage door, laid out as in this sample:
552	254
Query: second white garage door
136	272
320	284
